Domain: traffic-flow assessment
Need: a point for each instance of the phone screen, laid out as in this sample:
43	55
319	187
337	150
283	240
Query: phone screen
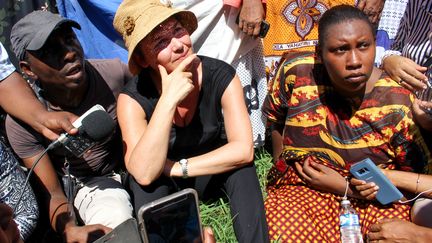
176	220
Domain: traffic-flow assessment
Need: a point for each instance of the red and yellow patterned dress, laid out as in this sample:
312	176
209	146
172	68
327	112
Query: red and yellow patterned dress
320	123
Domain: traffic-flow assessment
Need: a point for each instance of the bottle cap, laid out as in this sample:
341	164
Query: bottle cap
345	202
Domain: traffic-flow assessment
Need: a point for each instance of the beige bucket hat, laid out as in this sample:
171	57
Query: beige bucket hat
135	19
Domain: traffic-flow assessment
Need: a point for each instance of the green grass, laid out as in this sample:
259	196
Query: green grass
217	214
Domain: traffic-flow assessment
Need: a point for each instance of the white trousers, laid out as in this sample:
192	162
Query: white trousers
103	200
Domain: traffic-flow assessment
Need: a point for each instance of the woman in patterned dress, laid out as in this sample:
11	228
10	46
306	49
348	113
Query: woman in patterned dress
327	111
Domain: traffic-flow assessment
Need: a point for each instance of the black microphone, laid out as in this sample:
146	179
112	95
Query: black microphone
93	126
98	125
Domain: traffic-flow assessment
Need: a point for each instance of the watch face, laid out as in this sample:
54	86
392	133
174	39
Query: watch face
183	163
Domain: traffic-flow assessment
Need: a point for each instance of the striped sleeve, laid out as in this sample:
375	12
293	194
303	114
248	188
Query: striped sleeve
413	37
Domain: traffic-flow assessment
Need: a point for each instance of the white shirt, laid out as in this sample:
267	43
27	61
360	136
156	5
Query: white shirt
217	35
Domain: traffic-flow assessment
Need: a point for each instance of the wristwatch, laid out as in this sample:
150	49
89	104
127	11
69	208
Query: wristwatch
184	163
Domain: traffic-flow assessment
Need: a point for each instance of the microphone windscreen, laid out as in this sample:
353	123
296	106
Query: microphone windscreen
98	125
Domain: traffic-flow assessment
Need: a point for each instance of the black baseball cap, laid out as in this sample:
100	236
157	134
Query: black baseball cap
32	31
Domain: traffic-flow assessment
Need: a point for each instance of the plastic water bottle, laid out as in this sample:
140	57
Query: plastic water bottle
349	224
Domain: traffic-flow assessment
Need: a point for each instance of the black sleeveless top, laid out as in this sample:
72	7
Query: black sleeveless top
206	131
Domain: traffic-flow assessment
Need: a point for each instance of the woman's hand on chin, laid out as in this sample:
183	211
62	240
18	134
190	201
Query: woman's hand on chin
179	83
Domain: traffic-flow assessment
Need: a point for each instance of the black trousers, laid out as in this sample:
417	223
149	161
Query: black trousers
241	186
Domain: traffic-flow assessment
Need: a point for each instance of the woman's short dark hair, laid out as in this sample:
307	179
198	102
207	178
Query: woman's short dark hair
340	14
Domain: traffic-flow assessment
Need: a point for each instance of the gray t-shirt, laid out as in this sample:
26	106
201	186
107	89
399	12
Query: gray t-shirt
106	79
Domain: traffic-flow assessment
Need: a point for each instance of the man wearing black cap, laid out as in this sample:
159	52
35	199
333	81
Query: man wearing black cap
51	55
18	99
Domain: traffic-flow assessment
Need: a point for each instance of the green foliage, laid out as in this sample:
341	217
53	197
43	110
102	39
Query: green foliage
217	214
263	163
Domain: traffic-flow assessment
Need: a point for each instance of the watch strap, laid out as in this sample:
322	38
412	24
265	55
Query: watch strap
184	167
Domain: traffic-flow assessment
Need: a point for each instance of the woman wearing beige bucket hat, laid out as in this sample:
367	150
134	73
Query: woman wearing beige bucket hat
183	118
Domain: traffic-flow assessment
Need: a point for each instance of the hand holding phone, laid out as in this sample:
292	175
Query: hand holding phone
264	27
367	170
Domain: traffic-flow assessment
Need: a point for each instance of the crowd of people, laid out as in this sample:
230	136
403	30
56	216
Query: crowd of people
199	92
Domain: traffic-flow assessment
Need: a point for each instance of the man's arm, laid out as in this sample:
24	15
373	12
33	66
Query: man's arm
54	196
28	145
18	99
60	218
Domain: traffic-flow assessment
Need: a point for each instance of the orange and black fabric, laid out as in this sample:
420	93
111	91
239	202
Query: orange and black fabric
294	25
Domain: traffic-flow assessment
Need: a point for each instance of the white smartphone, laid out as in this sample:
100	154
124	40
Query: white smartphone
174	218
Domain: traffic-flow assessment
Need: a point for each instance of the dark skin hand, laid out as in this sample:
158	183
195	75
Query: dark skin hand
397	230
421	117
406	72
321	177
372	8
411	76
324	178
366	190
83	234
251	15
52	123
